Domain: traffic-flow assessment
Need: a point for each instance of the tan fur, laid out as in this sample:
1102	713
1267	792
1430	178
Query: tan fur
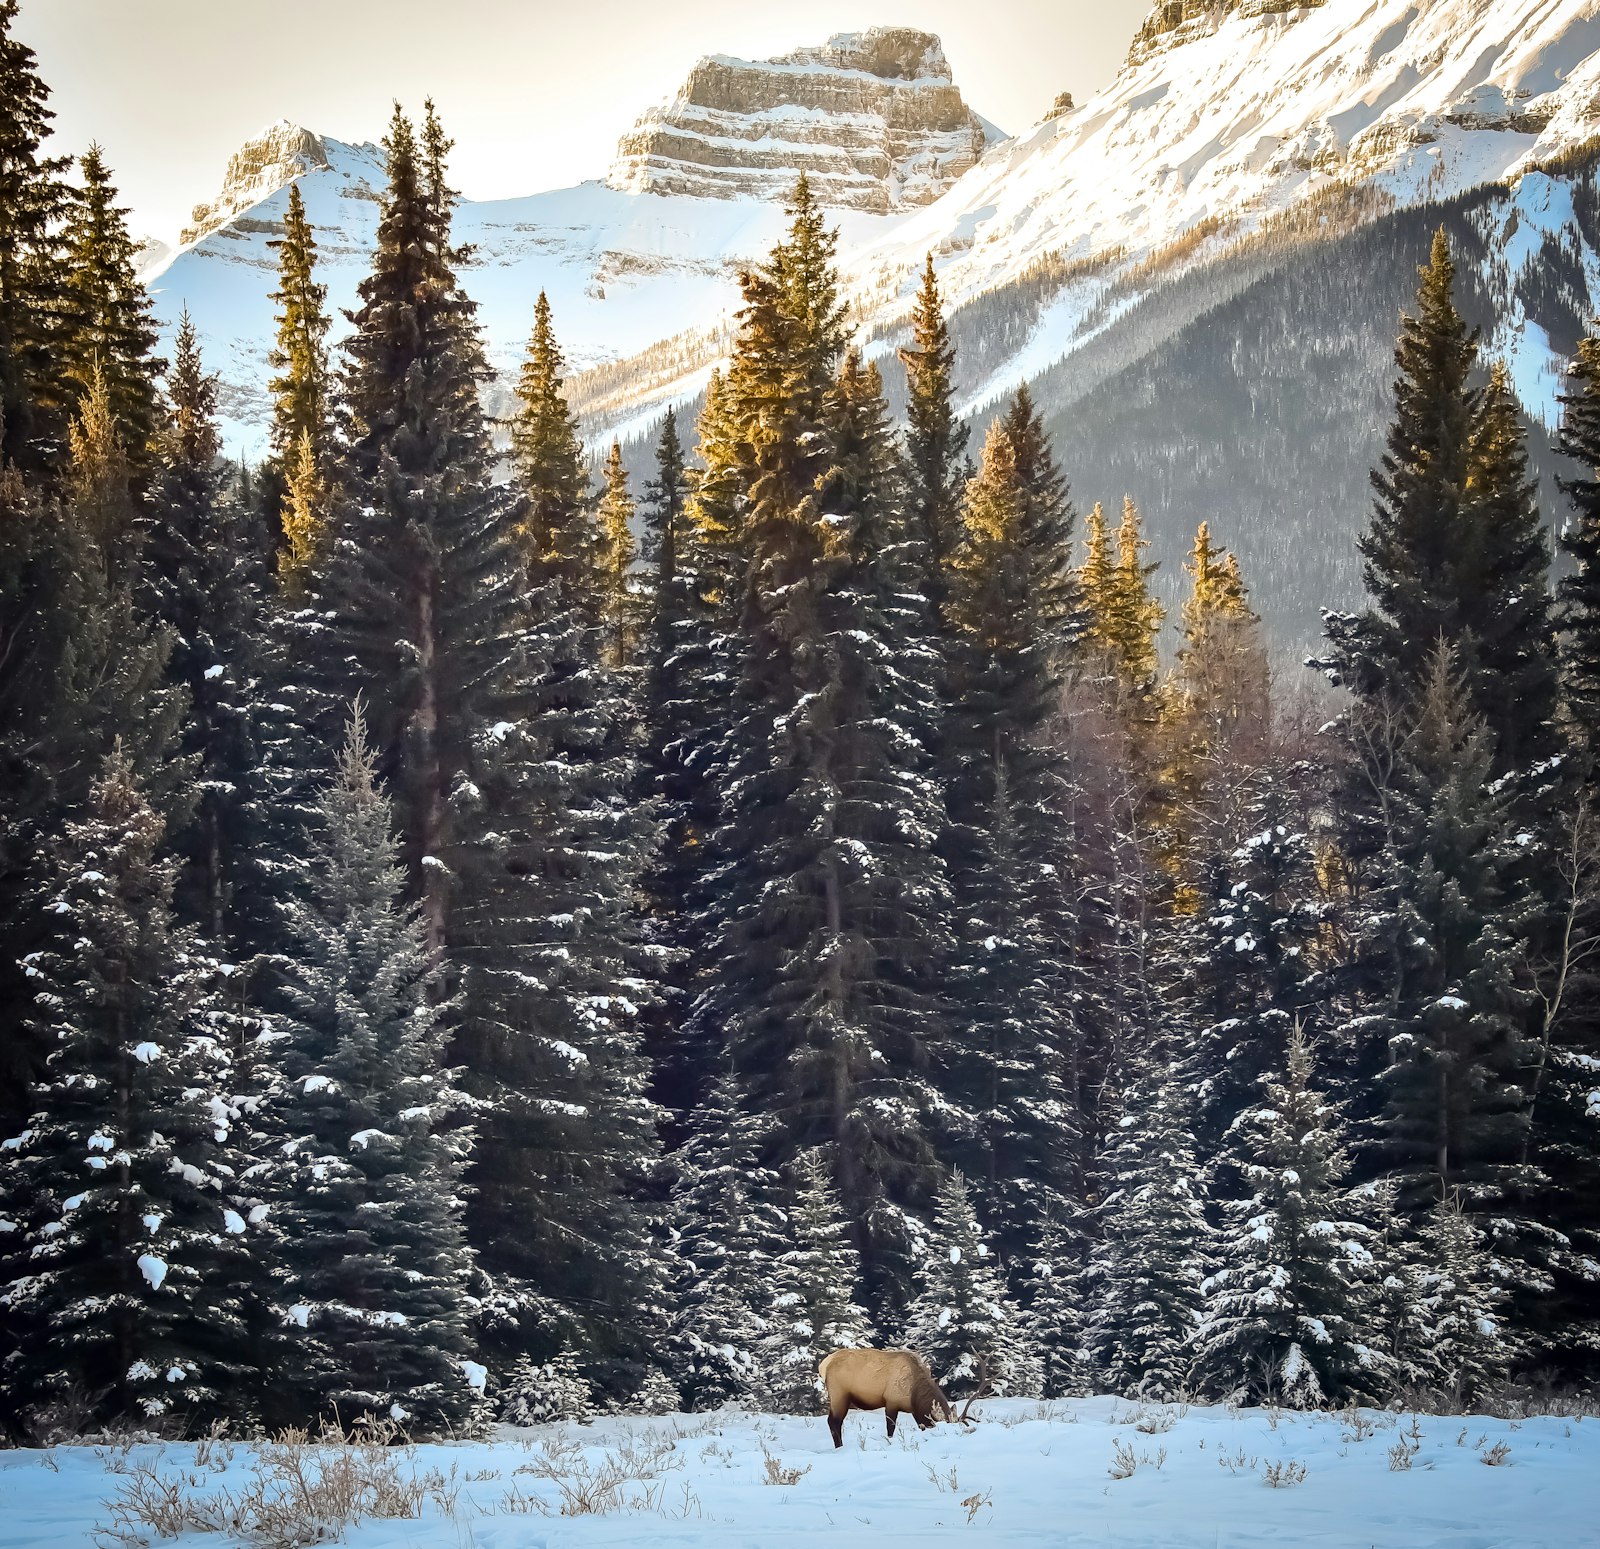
895	1381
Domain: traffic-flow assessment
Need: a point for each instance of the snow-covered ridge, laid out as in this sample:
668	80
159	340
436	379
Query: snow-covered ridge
873	118
1245	111
258	169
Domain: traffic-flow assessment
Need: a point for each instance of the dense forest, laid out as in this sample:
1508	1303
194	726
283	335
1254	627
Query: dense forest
481	945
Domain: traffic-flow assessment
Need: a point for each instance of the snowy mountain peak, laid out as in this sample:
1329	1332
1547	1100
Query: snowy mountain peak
874	119
259	168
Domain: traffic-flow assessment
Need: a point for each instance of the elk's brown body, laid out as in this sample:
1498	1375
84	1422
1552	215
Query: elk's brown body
895	1381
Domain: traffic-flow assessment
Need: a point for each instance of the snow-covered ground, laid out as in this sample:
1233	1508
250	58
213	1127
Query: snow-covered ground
1056	1475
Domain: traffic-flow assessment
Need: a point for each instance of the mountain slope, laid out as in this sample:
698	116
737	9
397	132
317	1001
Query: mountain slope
626	261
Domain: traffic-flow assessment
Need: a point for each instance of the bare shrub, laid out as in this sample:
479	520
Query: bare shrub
973	1504
776	1472
301	1490
1404	1452
1497	1456
627	1478
1125	1462
1285	1473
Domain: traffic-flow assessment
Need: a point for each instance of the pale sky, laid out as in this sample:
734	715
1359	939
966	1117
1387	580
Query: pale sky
535	92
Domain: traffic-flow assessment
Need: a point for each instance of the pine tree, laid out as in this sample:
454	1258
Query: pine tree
365	1183
33	198
962	1321
301	412
621	605
1454	549
1283	1310
1145	1274
935	441
106	323
1004	1076
128	1272
813	1309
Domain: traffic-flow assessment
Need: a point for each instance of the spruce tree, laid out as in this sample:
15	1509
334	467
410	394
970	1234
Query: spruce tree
1512	649
33	198
1454	549
127	1262
1578	591
1004	1075
203	579
824	907
813	1308
621	606
301	412
560	537
674	710
1455	1109
1057	1306
1470	1349
935	441
365	1179
729	1233
1283	1309
106	323
962	1321
1144	1276
508	774
1249	962
82	666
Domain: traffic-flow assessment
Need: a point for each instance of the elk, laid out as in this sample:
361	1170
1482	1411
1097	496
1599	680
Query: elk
895	1381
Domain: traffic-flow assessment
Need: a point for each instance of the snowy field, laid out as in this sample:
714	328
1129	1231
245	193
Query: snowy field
1092	1472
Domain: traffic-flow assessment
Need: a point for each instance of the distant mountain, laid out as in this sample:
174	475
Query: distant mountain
1198	269
696	190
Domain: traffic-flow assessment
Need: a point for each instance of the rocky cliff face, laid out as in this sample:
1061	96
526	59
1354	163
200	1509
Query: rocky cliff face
1172	22
873	119
258	169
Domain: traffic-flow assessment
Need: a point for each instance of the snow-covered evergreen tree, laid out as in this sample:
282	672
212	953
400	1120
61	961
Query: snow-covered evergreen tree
1470	1349
962	1321
128	1265
540	1394
1056	1312
1247	961
730	1233
813	1309
365	1184
1146	1273
1283	1310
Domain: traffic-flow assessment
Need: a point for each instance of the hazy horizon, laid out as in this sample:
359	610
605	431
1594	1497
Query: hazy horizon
534	95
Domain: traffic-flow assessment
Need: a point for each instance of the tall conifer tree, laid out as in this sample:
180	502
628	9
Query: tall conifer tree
33	197
106	323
